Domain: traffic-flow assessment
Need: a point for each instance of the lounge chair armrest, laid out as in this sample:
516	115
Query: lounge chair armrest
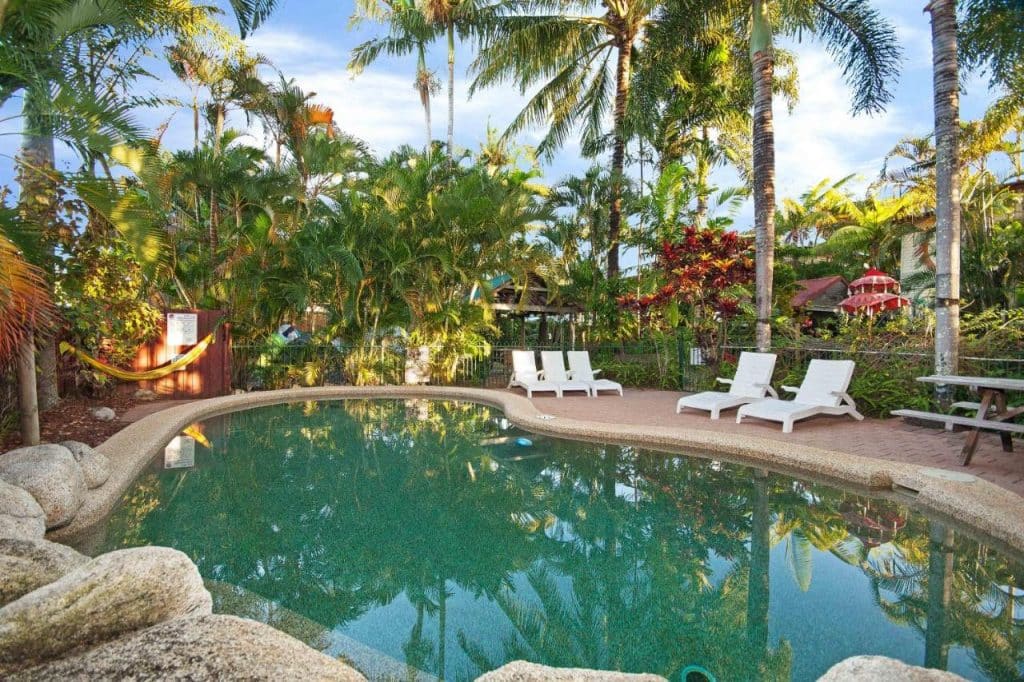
723	381
791	389
768	387
540	375
595	372
845	397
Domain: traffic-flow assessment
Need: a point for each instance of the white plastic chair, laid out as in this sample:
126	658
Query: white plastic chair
554	371
580	370
526	376
823	391
751	383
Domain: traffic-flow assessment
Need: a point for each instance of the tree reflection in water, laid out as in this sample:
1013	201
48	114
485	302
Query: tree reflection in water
568	554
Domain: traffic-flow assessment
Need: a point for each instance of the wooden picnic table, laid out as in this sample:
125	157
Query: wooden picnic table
992	391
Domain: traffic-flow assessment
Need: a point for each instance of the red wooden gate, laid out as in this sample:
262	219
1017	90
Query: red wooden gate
207	377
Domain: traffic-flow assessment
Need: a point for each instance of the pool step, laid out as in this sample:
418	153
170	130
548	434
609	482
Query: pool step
375	665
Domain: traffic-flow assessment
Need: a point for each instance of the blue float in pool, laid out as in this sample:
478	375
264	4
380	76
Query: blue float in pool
524	442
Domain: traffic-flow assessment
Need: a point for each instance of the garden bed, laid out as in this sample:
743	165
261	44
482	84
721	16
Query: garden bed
72	419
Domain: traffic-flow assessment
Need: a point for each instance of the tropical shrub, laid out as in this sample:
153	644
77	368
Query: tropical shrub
701	284
103	303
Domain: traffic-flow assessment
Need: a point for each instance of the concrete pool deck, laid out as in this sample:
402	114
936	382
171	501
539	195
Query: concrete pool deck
891	440
880	455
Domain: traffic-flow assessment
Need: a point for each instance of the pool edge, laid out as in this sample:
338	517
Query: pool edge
977	504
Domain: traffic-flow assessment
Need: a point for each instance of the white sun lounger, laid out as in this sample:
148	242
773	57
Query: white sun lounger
580	370
823	391
526	376
554	371
750	384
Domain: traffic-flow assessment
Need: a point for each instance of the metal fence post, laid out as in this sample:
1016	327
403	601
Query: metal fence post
681	351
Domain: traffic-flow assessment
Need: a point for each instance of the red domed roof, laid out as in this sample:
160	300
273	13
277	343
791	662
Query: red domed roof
873	279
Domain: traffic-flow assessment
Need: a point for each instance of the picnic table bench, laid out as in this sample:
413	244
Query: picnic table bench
992	411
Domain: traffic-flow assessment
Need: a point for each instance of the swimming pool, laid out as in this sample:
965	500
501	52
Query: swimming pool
431	535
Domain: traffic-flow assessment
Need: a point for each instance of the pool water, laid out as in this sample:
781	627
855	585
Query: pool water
419	539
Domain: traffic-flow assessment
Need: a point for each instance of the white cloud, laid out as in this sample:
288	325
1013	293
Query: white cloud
287	47
913	31
821	138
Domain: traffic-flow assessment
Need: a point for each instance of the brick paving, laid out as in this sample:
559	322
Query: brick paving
145	409
888	439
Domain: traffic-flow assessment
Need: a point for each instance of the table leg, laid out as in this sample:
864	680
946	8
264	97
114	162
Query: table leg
1004	437
972	438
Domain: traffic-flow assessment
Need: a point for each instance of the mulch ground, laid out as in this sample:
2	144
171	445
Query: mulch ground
72	419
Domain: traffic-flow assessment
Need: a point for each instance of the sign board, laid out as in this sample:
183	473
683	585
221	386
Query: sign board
180	453
182	329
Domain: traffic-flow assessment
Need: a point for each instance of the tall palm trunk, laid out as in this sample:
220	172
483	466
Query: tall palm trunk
214	227
28	405
764	172
451	89
218	131
703	171
423	86
947	192
38	205
622	77
195	119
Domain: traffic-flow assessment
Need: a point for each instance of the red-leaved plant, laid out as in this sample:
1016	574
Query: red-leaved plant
700	271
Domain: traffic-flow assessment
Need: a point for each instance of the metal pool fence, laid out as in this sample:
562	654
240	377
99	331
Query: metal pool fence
645	364
884	379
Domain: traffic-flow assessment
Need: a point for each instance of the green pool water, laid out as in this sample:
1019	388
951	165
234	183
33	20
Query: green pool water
417	538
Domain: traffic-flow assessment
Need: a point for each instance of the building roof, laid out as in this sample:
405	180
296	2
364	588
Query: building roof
533	298
814	288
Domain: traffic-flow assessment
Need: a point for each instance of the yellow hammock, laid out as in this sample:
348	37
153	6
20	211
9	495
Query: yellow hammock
149	374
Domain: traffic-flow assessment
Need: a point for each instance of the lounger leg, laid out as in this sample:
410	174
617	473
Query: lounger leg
739	416
714	412
857	415
787	425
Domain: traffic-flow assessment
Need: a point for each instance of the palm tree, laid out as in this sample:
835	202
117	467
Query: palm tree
408	32
447	15
816	213
585	65
25	305
588	196
230	77
947	191
992	29
693	97
40	43
874	231
867	49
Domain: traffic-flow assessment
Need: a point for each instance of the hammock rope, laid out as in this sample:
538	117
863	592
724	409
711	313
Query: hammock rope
150	374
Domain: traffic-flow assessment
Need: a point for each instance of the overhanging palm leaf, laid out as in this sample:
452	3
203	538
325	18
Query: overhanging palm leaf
251	13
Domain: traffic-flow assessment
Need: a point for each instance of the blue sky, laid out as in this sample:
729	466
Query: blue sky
310	40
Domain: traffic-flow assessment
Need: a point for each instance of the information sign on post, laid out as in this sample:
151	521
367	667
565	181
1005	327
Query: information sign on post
182	329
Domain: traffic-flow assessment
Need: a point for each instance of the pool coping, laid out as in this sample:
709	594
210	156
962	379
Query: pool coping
979	505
